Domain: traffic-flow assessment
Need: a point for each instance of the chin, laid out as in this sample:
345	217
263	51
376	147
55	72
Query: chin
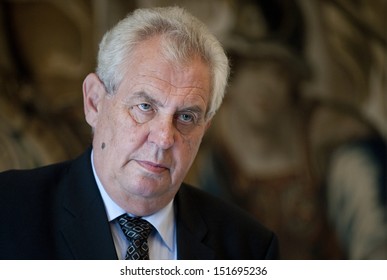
148	187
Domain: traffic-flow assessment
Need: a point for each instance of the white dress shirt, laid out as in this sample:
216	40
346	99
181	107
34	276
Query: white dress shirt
162	243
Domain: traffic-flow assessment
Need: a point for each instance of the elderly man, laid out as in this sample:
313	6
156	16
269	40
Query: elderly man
160	78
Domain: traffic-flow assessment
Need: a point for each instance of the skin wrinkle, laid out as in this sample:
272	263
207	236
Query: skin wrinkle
183	66
143	98
155	84
143	164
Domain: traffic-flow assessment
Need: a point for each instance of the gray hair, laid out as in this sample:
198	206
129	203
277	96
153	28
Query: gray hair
184	36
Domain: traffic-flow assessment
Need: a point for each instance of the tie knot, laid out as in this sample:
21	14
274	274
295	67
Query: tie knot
135	228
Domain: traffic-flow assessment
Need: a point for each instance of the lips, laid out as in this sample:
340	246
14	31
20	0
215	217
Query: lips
152	167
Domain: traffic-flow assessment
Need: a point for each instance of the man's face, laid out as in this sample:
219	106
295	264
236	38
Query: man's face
147	134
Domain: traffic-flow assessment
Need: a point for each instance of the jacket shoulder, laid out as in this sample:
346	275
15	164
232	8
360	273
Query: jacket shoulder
30	201
235	233
31	180
35	176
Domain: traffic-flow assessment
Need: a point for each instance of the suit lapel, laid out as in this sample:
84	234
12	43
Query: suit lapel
191	229
83	221
84	225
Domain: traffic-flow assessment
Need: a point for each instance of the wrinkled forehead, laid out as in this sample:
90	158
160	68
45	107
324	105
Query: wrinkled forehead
151	56
172	50
148	64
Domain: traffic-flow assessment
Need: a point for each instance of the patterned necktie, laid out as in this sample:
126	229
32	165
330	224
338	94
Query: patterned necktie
136	231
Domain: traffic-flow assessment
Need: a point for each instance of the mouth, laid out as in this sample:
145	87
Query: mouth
152	167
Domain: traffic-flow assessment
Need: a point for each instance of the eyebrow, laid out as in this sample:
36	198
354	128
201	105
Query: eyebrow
142	94
147	97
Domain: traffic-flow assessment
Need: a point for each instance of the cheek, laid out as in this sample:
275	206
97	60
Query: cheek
115	131
191	146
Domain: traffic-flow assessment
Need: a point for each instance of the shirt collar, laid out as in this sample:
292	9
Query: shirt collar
163	220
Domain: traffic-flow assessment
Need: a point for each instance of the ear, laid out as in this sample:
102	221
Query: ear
93	93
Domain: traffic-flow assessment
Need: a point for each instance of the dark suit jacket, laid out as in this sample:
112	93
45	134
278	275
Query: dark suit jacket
56	212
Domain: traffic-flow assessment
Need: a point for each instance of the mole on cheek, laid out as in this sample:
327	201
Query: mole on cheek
103	145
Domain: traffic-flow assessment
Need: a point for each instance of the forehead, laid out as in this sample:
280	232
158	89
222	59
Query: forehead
148	67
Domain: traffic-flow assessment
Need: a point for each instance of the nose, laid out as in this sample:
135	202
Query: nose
163	132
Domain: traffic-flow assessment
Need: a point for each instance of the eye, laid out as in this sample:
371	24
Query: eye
186	122
144	107
142	112
186	118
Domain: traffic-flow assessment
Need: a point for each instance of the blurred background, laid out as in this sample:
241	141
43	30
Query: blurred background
300	141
